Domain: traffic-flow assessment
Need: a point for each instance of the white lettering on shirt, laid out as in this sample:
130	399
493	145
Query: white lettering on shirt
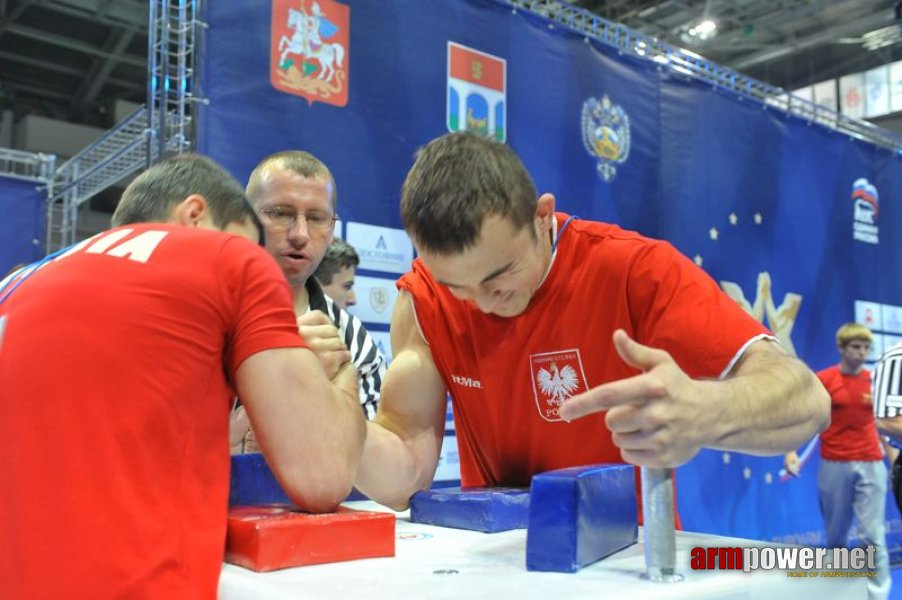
466	381
140	247
107	241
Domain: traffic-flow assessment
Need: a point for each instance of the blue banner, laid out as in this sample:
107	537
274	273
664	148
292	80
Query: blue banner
796	222
22	204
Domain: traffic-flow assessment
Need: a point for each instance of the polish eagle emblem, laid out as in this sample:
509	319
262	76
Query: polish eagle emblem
557	384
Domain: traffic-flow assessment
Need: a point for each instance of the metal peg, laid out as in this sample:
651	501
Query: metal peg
658	525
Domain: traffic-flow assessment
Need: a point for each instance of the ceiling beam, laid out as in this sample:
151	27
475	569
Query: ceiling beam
66	70
103	15
16	13
41	64
133	12
72	44
41	92
99	71
825	36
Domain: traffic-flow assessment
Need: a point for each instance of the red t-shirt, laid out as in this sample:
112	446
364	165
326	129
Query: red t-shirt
508	376
114	410
852	434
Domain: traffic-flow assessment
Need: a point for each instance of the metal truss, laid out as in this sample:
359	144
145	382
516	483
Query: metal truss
117	154
690	64
171	66
27	165
164	126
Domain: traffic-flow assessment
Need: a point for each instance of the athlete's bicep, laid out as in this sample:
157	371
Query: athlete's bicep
413	393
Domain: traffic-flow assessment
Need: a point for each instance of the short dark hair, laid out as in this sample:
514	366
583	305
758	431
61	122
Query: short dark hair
297	161
151	197
339	255
457	181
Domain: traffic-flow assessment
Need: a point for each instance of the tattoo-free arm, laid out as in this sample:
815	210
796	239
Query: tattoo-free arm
769	404
404	441
310	430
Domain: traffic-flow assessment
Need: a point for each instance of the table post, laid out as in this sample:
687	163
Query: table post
658	525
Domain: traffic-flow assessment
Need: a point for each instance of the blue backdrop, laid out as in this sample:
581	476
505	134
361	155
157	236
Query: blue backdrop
22	205
797	222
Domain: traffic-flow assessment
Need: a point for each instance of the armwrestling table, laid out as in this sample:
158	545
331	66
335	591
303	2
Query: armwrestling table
441	563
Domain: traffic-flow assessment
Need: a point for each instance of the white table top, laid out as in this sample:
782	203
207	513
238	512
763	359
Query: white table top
436	562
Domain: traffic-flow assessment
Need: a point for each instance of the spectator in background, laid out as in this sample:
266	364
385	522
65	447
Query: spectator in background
118	362
336	273
851	481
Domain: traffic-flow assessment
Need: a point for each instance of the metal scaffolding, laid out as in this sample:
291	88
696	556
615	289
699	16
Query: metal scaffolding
171	66
164	125
114	156
689	64
27	165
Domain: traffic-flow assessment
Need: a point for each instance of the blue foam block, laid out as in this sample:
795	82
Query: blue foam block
253	482
478	509
580	515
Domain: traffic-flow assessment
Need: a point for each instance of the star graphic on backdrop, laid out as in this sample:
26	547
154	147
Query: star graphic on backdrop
714	234
747	473
726	458
768	478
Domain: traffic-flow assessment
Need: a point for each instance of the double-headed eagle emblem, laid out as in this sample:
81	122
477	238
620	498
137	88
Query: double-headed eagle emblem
606	134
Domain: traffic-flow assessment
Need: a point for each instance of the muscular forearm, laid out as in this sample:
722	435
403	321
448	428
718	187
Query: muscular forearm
351	438
772	405
404	441
389	472
322	479
310	429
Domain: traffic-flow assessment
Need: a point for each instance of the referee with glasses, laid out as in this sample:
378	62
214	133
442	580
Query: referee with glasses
887	392
295	196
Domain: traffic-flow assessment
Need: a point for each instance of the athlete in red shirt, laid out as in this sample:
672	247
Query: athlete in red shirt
513	311
119	362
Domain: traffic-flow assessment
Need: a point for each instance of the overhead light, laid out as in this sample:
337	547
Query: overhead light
881	38
706	28
702	31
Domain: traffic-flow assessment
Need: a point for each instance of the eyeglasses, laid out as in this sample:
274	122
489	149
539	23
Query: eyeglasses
284	218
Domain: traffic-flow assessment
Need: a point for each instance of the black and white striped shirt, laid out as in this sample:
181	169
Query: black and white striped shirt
367	359
886	385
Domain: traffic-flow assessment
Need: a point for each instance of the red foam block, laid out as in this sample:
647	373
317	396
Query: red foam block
266	538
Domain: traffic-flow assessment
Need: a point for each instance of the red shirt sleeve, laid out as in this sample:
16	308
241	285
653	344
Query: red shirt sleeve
676	306
262	314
